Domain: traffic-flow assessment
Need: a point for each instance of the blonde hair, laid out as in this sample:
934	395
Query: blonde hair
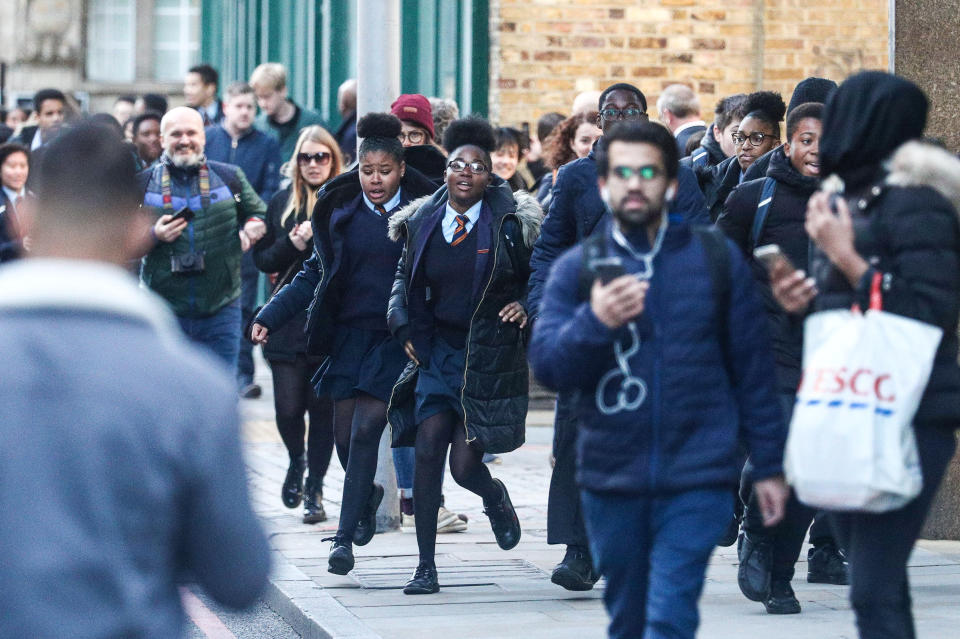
301	193
269	75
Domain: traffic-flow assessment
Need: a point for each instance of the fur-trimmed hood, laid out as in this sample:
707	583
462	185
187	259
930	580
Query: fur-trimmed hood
921	164
528	212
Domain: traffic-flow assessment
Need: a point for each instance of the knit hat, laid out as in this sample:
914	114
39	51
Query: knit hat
810	90
414	108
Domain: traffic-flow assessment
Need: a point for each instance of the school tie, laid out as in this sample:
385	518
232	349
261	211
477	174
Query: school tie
460	233
380	210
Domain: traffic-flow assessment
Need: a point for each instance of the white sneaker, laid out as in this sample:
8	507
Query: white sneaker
407	523
448	522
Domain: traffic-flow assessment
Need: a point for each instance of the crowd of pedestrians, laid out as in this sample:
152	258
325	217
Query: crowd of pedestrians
413	281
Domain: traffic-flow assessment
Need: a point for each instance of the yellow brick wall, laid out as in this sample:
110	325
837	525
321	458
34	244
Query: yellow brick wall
546	51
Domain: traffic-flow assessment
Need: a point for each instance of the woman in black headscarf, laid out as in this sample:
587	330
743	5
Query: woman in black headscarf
896	220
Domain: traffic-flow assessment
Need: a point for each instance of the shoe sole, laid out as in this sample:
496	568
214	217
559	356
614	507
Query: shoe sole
339	567
569	580
314	519
376	496
791	611
292	505
421	591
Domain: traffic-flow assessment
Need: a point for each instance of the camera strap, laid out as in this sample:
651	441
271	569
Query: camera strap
168	195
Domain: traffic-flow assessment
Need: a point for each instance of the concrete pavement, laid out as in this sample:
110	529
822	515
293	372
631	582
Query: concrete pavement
486	592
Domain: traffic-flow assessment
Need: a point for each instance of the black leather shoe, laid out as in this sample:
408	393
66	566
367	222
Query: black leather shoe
340	559
292	490
729	536
781	600
313	511
424	581
827	565
753	575
251	391
367	525
503	520
576	571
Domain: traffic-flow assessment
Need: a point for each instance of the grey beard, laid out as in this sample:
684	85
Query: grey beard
187	162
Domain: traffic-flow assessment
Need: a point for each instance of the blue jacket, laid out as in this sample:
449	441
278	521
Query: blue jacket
576	210
685	433
256	153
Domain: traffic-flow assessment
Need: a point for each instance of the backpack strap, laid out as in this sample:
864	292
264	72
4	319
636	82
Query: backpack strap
718	262
763	210
594	248
700	157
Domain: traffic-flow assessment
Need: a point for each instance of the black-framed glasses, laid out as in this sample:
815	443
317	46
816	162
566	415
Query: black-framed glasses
459	166
756	138
630	113
322	158
413	137
648	172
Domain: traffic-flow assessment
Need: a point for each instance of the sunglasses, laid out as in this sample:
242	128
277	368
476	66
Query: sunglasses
643	172
322	158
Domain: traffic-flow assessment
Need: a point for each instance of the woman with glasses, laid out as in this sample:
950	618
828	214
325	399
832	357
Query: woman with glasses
346	284
419	146
457	306
281	252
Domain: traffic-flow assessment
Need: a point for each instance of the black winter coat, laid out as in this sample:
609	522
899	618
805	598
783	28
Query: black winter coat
275	253
427	159
495	392
783	227
708	154
717	182
907	229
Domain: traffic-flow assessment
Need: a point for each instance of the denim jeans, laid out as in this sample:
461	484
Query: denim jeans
404	459
250	278
653	552
217	332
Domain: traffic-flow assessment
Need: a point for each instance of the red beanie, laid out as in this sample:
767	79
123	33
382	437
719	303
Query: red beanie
414	108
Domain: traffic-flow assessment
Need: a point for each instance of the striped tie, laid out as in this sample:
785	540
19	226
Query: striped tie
380	210
460	233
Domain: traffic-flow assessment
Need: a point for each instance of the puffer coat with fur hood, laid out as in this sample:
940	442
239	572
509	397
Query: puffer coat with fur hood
495	393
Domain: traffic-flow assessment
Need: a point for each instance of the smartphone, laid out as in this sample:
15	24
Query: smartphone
770	255
608	269
183	214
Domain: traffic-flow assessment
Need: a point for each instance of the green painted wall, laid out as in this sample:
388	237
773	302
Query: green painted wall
444	47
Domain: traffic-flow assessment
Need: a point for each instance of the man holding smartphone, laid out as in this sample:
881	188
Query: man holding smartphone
672	372
195	261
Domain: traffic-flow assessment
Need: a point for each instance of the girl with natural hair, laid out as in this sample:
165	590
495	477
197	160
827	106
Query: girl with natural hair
346	285
282	252
571	139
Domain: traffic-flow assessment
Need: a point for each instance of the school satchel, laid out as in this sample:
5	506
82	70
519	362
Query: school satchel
851	445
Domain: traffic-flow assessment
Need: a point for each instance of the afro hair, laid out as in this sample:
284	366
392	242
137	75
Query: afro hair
471	131
769	103
379	125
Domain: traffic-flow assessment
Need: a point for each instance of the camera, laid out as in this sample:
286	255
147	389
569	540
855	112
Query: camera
192	262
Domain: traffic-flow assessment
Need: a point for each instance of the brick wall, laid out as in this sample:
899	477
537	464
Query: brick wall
546	51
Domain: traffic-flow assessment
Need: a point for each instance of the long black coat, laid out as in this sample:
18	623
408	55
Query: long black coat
495	392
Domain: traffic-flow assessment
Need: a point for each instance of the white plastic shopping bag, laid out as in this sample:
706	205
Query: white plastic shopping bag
851	445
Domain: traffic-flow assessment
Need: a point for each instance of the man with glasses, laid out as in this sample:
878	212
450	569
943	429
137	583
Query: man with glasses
236	141
576	209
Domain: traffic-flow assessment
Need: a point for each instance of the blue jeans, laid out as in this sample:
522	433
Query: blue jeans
653	552
250	278
217	332
404	459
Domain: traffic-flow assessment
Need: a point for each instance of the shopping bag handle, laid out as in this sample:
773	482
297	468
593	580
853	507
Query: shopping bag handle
876	296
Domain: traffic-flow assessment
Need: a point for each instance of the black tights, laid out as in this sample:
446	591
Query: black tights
368	417
466	466
292	396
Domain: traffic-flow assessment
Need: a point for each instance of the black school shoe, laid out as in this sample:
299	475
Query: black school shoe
576	571
781	600
753	574
292	491
367	525
424	581
827	565
313	511
340	559
503	520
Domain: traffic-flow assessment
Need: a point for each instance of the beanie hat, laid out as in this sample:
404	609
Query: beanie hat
811	90
415	108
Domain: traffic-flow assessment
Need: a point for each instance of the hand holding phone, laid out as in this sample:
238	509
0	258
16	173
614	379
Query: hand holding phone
772	257
183	214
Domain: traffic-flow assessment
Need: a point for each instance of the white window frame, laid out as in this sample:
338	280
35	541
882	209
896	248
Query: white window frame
171	59
111	56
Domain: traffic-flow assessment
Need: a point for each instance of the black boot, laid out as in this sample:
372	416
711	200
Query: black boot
340	559
576	571
424	581
292	490
781	600
753	575
503	519
827	565
313	511
367	525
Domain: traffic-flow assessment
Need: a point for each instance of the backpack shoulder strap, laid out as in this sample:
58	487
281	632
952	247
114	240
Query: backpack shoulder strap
700	157
763	210
718	262
594	248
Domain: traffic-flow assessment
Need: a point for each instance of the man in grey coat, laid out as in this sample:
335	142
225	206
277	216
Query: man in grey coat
120	467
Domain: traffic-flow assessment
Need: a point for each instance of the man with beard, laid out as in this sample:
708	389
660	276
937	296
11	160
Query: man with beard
207	216
658	327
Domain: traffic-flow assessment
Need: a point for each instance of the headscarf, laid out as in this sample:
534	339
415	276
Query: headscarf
867	118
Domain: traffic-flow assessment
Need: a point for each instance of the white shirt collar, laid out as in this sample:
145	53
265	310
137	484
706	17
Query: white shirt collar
688	125
389	206
11	194
449	223
37	141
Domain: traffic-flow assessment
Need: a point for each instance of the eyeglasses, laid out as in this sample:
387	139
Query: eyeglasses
645	173
756	139
322	158
459	166
630	113
413	137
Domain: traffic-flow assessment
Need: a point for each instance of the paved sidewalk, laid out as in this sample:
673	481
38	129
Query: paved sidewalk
486	592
